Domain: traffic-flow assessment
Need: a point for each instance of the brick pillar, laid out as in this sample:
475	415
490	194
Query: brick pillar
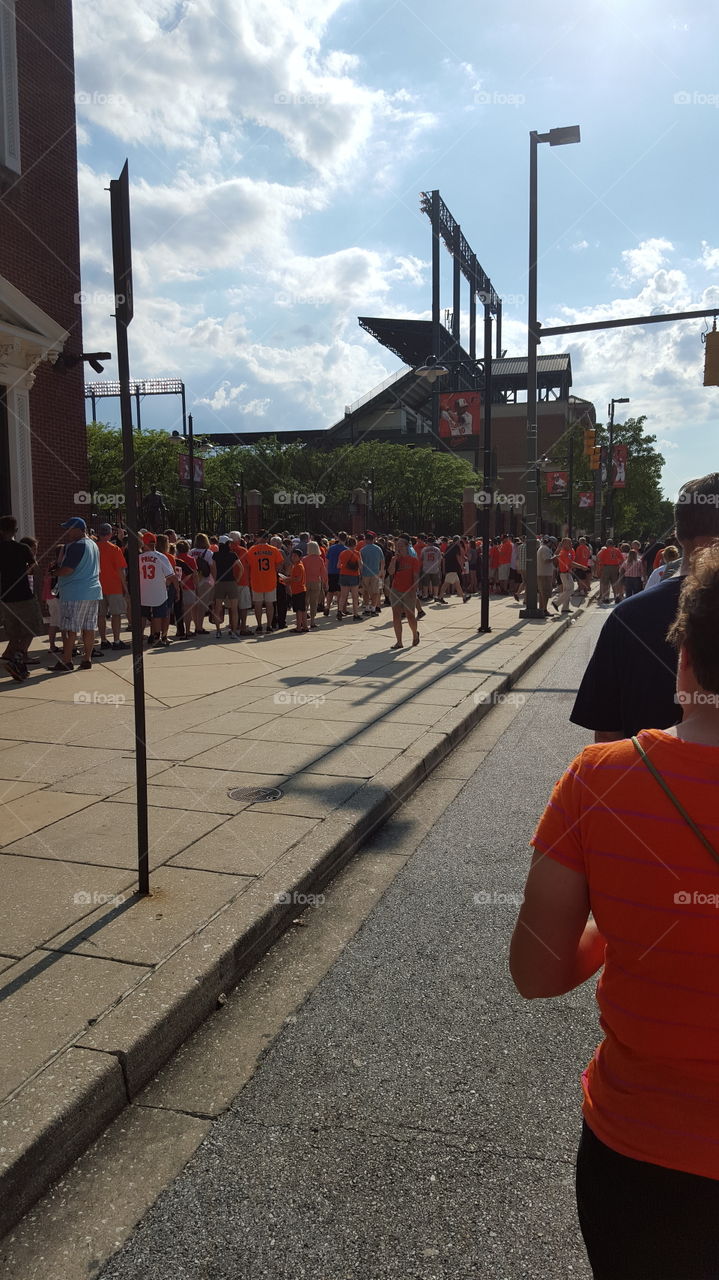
469	512
253	499
358	511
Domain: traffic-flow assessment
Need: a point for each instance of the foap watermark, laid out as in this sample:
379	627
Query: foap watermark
287	99
695	898
497	898
483	98
84	697
699	698
289	698
685	98
300	899
84	499
307	299
283	498
687	498
84	898
483	697
97	99
98	299
485	498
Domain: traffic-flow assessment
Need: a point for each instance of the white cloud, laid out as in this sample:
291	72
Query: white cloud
648	257
579	245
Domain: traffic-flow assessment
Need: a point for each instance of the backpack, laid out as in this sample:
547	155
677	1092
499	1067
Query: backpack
203	567
352	564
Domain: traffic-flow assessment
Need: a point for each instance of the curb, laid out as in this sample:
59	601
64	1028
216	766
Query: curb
58	1114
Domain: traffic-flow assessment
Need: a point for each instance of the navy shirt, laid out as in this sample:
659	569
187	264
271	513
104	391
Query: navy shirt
630	682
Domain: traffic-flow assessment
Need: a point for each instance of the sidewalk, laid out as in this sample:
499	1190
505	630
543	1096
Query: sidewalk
318	738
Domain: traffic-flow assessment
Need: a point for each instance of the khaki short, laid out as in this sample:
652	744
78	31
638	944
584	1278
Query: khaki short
403	599
21	619
227	592
111	605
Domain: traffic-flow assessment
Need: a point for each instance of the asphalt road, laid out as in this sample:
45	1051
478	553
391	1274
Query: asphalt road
417	1118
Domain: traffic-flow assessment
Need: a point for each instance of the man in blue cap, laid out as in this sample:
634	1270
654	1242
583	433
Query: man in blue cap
79	589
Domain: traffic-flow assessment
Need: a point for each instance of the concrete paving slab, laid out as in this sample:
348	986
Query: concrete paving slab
104	835
56	722
47	999
354	759
412	713
53	895
311	795
7	961
37	810
249	755
183	788
106	779
180	902
14	790
460	764
48	763
246	845
92	1210
182	746
383	734
319	732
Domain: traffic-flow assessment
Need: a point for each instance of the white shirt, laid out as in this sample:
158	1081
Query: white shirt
545	559
657	575
155	569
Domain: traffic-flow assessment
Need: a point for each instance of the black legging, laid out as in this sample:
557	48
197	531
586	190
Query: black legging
643	1222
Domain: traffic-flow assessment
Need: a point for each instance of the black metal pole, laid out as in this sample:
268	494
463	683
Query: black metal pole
184	414
531	609
122	267
570	491
137	404
191	446
436	287
608	531
488	483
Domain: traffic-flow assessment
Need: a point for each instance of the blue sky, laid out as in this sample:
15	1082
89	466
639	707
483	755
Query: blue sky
277	152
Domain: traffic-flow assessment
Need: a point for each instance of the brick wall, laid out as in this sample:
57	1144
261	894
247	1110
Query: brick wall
40	250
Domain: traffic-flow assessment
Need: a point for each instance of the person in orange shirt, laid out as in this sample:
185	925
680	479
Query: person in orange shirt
609	560
404	570
265	561
565	562
493	565
630	836
582	565
349	566
297	584
504	563
113	580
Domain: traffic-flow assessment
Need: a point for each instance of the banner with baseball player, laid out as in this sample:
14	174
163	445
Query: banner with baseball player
459	413
585	500
619	466
557	484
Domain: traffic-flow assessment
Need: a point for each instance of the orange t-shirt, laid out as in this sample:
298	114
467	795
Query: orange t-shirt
565	556
505	552
297	578
264	561
582	554
610	555
650	1090
349	563
112	561
493	557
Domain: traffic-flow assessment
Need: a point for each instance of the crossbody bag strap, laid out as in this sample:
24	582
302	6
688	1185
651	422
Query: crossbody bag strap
677	803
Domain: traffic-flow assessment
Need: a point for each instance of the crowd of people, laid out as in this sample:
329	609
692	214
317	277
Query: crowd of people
220	584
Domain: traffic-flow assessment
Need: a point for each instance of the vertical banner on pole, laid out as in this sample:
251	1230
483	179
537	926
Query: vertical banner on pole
124	310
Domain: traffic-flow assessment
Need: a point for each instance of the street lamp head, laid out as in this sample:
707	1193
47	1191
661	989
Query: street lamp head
561	137
622	400
432	370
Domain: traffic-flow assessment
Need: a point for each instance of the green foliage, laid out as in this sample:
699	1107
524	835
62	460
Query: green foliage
416	485
640	509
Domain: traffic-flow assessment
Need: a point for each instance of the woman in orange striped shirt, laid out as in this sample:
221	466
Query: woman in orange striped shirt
631	834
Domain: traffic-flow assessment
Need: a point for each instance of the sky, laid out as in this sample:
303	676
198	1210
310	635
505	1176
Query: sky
277	151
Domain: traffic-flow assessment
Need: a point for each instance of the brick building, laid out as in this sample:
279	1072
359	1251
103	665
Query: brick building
43	451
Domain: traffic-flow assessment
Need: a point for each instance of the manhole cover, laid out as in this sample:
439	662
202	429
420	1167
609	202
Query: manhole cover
256	795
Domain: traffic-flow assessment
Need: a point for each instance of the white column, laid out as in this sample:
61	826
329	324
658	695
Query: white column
20	450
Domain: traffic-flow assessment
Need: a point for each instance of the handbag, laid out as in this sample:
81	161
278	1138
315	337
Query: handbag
677	803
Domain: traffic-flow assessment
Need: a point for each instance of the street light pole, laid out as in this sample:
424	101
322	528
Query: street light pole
555	137
487	480
609	530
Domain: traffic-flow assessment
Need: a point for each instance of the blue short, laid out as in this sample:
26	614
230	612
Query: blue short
156	610
349	580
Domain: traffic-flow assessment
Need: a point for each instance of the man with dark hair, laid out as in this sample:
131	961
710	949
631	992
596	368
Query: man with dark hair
19	609
629	683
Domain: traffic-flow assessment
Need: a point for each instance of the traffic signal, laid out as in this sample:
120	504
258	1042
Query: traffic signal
595	458
711	357
589	438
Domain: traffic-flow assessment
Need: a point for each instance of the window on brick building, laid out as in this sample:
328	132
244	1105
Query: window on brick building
9	110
